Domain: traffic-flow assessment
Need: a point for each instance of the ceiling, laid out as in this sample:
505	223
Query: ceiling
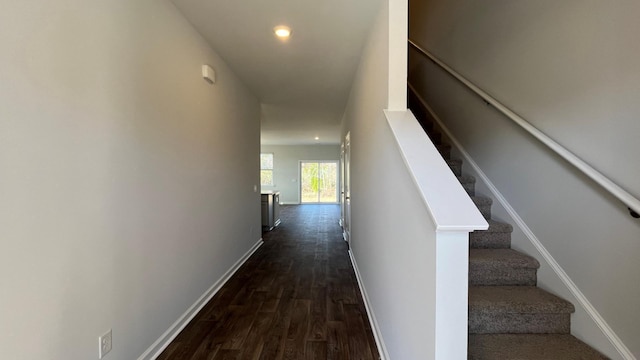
303	83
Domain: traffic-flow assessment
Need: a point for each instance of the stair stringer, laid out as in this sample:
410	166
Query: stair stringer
586	323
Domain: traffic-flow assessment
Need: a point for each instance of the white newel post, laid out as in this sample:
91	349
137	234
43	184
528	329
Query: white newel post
452	287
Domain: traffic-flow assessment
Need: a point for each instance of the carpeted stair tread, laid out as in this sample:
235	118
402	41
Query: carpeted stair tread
435	137
468	182
498	227
530	347
516	299
464	179
498	236
483	204
482	200
509	317
444	150
501	267
455	165
517	310
502	257
427	125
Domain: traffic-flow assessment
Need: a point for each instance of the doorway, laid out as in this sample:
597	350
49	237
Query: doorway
318	182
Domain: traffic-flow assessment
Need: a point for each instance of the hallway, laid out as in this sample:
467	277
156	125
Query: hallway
295	298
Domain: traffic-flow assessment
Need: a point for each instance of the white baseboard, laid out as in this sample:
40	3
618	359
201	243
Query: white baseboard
159	345
559	271
289	203
382	350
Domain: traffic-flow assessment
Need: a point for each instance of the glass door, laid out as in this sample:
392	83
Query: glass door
319	182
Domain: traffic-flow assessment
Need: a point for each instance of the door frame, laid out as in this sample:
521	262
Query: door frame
341	221
346	222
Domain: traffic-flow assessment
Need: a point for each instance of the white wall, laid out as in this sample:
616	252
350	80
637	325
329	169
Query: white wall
570	69
286	166
392	235
127	181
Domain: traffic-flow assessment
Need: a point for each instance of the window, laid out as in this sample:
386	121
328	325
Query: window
266	169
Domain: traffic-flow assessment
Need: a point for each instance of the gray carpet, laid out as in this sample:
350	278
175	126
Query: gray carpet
529	347
510	318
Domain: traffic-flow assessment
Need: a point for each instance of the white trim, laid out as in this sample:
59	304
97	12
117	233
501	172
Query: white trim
566	280
159	345
452	295
398	33
613	188
382	350
346	226
449	205
289	203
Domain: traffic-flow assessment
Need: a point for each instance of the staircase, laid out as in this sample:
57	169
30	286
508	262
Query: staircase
509	316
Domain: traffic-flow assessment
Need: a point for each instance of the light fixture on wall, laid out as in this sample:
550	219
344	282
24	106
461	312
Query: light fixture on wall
208	74
317	138
282	31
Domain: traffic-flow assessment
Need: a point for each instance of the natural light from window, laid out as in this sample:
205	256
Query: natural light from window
266	169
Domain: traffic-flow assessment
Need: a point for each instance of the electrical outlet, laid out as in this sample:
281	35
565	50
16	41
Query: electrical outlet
104	344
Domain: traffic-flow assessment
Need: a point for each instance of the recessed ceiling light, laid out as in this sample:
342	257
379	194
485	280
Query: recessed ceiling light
282	31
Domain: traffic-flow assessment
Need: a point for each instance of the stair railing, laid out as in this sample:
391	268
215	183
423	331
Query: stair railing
625	197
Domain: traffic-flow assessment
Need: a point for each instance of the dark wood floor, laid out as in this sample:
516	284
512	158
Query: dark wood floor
295	298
